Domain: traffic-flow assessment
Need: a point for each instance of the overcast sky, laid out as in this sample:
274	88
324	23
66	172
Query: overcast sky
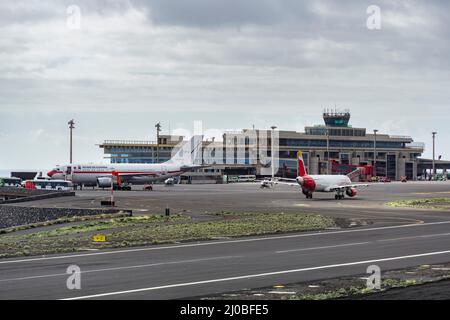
229	63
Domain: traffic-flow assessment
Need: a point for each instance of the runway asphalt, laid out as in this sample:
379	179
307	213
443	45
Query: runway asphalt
397	238
196	200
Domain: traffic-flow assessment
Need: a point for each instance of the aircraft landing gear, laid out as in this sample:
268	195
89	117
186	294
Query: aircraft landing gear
339	196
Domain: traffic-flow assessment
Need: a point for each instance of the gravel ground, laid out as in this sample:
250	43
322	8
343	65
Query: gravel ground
424	282
11	216
438	290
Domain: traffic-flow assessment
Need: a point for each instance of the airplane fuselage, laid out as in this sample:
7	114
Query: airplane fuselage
104	175
324	182
89	174
309	184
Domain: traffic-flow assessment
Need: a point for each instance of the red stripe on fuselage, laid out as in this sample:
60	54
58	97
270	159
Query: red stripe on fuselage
124	172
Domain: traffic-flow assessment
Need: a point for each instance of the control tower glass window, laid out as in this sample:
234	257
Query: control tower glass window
336	119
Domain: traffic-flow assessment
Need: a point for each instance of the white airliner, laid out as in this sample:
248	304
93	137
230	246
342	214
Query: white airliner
103	175
340	184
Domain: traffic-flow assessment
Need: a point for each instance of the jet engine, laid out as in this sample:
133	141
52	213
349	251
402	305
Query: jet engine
104	182
351	192
169	182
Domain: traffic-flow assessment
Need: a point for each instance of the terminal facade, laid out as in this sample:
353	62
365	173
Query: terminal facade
334	147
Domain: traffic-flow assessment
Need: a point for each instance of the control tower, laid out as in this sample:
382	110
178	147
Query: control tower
335	118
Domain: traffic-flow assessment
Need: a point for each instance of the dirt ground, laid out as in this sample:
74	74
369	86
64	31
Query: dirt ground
422	282
437	290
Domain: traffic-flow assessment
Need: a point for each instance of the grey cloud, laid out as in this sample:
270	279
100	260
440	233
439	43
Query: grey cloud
206	13
230	63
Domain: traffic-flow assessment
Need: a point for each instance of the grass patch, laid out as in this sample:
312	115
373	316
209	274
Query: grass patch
155	229
357	290
431	203
329	295
64	220
100	225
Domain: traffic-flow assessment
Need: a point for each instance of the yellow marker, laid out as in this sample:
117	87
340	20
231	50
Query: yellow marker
99	238
278	286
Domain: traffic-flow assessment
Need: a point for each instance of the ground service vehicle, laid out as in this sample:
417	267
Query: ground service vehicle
10	182
57	185
247	178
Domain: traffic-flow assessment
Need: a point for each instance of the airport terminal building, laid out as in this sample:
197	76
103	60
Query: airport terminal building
333	147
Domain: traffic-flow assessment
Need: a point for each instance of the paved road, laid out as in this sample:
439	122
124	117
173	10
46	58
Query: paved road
189	270
397	238
201	199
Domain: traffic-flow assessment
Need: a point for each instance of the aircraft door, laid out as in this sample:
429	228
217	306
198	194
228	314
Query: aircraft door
69	173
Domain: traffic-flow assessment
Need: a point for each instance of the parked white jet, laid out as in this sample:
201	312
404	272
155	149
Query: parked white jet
103	175
340	184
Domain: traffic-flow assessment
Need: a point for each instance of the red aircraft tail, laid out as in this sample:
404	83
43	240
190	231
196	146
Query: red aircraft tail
301	170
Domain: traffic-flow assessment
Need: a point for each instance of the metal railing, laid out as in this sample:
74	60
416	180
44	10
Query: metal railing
399	137
420	145
128	142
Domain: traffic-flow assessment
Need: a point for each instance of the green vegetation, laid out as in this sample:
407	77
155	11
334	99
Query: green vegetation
340	293
357	290
156	229
397	283
113	223
64	220
431	203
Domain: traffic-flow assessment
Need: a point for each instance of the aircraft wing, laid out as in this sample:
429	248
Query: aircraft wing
269	182
152	174
127	176
285	179
131	174
291	184
346	186
194	167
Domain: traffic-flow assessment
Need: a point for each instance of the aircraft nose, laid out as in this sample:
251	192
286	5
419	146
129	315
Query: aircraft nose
51	173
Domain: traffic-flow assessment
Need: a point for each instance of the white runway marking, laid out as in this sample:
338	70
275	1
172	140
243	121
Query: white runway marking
122	268
325	247
221	242
227	257
416	237
428	193
367	242
259	275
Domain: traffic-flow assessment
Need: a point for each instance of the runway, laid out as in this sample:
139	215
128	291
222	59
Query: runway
397	238
196	200
189	270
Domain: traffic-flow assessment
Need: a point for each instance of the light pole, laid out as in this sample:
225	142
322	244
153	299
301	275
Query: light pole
158	130
318	164
71	124
272	148
375	152
328	151
434	164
